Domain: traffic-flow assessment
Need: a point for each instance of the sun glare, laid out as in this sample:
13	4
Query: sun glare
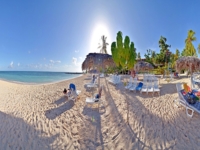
98	31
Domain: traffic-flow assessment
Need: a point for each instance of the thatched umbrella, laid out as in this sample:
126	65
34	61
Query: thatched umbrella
143	66
190	63
97	61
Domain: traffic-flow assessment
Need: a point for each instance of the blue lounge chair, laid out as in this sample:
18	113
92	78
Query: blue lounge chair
139	87
74	93
72	86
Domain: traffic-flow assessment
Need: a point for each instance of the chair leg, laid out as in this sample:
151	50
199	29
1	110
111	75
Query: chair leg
189	115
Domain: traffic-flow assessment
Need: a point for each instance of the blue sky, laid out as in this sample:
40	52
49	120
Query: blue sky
49	35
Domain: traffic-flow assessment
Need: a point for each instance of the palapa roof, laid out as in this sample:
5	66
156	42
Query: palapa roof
143	66
97	60
190	63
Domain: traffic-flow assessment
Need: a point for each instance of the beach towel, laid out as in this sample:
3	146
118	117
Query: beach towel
186	88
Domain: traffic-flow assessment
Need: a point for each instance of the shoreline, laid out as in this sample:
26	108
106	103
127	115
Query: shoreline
26	83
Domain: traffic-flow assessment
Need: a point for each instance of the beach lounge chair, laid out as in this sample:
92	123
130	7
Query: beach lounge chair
129	84
144	87
134	85
95	99
195	83
111	78
139	87
74	93
182	101
115	79
93	82
102	75
150	88
156	88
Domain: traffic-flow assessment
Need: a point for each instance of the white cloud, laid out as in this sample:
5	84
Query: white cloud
51	61
67	66
76	51
81	58
74	60
11	65
55	61
18	64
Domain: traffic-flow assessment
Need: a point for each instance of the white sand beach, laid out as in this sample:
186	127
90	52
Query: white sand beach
38	117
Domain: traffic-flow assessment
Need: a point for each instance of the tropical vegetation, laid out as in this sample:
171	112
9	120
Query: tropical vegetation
189	49
123	52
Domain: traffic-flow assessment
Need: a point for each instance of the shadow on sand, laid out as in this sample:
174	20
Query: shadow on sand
55	112
92	132
61	100
154	122
146	120
15	133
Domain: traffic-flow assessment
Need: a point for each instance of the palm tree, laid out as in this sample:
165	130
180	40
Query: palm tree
138	56
103	45
198	48
189	47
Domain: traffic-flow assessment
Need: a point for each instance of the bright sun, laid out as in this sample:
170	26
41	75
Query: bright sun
99	30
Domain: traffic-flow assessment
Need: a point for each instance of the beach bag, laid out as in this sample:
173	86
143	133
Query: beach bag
96	97
191	98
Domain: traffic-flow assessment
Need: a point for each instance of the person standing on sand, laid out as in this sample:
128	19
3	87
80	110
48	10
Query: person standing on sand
133	73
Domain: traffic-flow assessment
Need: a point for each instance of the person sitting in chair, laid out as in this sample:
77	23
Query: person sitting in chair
176	74
97	96
67	92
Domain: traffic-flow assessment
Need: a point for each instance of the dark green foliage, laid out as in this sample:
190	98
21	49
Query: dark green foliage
162	58
150	56
138	56
124	54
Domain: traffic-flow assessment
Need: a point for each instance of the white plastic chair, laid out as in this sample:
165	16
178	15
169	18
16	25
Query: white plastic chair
150	88
134	85
93	99
156	88
129	84
144	87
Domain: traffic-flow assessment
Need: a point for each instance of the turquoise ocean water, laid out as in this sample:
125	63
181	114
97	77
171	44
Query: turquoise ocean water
35	77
